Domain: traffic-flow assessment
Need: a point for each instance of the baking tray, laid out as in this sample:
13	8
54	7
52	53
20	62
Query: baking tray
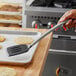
10	13
10	21
10	36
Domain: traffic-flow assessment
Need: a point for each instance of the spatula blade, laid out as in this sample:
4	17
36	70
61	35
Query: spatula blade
17	49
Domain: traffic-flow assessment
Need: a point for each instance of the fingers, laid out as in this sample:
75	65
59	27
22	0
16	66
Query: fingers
71	23
69	15
66	16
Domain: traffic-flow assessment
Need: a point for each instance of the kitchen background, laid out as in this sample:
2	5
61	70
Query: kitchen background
45	14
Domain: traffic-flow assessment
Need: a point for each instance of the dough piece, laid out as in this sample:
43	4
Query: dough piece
10	17
18	17
2	17
2	4
23	40
2	38
5	71
10	7
4	25
20	10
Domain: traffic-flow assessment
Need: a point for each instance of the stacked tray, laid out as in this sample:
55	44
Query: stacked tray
9	13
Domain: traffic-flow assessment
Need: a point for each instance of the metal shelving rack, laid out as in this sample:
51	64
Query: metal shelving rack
24	17
12	13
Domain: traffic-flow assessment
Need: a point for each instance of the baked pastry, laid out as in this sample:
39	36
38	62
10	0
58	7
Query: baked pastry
23	40
5	71
2	38
10	17
10	7
18	17
14	25
4	24
2	17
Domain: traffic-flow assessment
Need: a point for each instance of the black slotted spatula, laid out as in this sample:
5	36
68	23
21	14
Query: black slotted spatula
19	49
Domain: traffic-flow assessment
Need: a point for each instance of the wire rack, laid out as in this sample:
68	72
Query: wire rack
12	13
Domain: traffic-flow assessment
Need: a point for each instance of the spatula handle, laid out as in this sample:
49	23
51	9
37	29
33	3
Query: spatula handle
52	29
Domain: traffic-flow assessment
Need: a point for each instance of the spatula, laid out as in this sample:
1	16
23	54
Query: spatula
19	49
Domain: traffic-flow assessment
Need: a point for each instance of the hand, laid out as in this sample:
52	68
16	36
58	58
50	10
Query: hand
71	15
